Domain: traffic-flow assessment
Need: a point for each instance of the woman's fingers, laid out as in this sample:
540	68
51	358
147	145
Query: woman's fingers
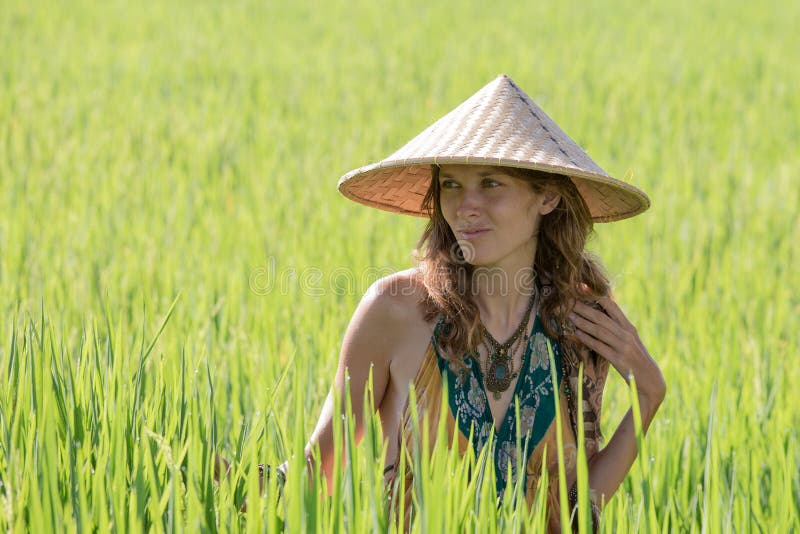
596	317
619	344
595	330
614	311
596	345
612	308
220	465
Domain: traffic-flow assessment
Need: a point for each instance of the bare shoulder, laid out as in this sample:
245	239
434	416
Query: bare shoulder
395	301
389	321
399	295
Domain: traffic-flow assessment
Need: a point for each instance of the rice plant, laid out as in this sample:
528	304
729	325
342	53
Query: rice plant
177	268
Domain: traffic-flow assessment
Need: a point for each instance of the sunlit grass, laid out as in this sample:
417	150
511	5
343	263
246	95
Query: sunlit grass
177	269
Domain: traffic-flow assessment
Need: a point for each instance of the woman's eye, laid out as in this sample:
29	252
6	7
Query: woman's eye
491	183
448	184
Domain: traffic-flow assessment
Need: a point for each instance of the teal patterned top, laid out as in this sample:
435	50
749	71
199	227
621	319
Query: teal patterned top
534	389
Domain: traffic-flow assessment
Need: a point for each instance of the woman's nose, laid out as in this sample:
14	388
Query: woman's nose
469	205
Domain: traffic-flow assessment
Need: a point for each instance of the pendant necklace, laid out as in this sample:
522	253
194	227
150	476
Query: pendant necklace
499	365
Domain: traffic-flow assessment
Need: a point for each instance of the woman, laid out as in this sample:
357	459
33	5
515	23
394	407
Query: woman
502	273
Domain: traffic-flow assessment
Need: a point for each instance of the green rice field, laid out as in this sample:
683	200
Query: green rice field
177	267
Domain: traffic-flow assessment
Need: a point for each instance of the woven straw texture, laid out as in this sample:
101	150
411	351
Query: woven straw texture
498	125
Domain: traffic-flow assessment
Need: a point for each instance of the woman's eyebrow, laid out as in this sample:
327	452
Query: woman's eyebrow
482	174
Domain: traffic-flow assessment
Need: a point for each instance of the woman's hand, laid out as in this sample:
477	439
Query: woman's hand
222	468
612	336
605	330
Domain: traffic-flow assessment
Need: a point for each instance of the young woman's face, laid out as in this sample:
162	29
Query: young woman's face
494	216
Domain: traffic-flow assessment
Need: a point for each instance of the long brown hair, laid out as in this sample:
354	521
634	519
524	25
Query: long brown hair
561	262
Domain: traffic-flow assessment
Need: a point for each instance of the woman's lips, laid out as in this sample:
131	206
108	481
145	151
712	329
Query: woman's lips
472	234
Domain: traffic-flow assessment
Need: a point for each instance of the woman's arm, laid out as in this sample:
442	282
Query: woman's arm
375	333
372	337
613	337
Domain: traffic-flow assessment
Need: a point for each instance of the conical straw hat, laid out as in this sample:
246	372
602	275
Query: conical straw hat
499	125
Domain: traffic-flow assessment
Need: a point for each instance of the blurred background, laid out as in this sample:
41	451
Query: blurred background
190	150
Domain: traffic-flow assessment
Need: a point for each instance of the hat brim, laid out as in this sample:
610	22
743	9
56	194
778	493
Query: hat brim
399	186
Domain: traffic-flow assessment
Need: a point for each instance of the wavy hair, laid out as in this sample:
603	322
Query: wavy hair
561	262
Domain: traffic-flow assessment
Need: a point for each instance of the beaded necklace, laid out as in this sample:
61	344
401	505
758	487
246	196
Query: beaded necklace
500	370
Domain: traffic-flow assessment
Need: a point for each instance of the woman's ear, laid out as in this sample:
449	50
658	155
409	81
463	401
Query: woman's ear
549	201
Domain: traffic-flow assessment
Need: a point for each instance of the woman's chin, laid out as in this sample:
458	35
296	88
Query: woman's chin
473	255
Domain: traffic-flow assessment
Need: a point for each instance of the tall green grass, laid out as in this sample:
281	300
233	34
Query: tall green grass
159	163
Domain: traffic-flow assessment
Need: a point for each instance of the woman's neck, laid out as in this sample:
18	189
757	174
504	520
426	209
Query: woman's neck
502	291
